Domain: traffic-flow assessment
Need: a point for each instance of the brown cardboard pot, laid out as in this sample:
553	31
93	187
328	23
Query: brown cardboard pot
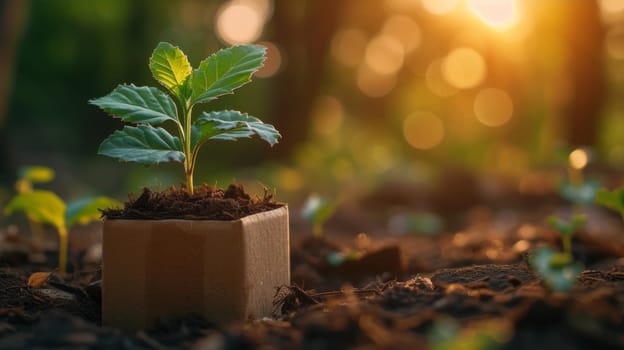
223	270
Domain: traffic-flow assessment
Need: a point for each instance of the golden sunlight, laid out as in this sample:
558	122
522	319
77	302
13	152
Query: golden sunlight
463	68
423	130
239	22
611	6
439	7
498	14
493	107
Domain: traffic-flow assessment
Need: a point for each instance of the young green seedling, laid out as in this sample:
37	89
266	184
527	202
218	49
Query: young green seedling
557	269
566	229
45	207
217	75
318	210
611	199
28	177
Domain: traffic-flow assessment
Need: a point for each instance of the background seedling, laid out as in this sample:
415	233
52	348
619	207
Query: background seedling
557	269
318	210
27	178
566	229
45	207
217	75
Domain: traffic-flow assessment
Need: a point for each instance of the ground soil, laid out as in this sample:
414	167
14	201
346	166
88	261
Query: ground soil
468	284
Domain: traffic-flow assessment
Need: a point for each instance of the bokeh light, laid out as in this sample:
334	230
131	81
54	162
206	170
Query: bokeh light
240	22
348	46
463	68
436	82
327	115
439	7
423	130
373	84
614	42
498	14
493	107
578	159
273	62
611	6
384	54
405	30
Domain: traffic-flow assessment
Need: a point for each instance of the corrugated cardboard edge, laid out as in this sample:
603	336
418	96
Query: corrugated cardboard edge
245	261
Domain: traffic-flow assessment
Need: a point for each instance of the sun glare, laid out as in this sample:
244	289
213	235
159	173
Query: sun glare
439	7
498	14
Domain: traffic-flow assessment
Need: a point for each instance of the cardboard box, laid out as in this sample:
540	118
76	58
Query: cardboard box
223	270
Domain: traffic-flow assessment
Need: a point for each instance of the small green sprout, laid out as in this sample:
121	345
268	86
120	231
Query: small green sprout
339	258
31	175
557	269
318	210
45	207
611	199
566	229
582	193
447	334
185	87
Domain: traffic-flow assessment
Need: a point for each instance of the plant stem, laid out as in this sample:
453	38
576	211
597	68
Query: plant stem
63	243
567	245
189	163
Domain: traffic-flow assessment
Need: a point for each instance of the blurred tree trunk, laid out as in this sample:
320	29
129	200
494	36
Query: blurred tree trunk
12	19
13	15
584	36
304	30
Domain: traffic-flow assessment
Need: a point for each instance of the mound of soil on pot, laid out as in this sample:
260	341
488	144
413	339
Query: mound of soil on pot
206	203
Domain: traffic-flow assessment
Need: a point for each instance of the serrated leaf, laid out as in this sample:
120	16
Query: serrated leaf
612	200
36	174
170	66
231	125
40	206
145	105
143	144
85	210
224	71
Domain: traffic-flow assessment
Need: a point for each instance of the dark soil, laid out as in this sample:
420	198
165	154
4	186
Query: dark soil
206	203
467	285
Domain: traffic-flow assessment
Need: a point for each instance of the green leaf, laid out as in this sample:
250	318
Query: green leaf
557	274
146	105
40	206
85	210
143	144
231	125
583	194
224	71
611	200
567	227
36	174
170	66
317	209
